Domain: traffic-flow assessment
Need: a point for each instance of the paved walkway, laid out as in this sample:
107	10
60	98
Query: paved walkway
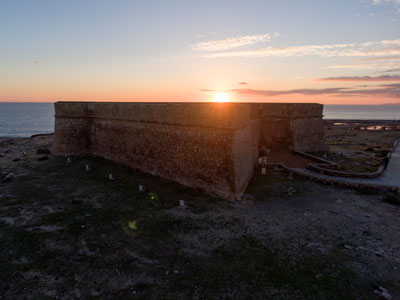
390	178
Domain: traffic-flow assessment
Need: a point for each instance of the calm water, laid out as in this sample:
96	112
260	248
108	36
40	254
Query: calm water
362	112
25	119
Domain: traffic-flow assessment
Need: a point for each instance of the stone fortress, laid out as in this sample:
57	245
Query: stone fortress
211	146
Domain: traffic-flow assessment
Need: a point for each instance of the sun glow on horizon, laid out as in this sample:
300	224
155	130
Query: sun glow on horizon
221	97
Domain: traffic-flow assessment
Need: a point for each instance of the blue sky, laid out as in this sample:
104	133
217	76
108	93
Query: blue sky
343	51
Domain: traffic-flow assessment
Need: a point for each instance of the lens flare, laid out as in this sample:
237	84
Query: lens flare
132	225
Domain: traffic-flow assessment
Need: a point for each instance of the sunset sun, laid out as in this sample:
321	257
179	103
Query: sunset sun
221	97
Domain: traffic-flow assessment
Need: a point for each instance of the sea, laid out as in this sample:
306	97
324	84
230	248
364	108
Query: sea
26	119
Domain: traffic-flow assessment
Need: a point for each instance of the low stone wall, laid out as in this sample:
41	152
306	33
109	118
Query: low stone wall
333	181
320	168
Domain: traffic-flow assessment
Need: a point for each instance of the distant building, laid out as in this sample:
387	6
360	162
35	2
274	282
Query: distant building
212	146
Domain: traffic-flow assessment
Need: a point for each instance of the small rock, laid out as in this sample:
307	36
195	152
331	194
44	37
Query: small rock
382	289
181	204
141	188
386	295
348	247
383	293
9	177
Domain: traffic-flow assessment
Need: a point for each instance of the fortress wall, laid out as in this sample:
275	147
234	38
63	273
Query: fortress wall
307	134
194	156
290	110
246	148
212	146
169	140
294	126
72	136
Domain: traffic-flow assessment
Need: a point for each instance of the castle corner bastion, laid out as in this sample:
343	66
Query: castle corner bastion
211	146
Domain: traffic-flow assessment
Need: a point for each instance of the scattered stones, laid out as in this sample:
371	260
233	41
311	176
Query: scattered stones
141	188
348	247
307	214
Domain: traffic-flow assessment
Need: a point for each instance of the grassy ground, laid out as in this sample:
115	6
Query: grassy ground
66	233
357	150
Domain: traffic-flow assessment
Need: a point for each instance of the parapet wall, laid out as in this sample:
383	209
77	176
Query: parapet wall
211	146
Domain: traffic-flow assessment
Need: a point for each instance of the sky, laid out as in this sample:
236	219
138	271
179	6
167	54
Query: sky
330	52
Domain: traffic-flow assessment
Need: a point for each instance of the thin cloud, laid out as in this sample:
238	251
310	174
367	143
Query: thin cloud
381	58
392	71
36	62
376	2
372	66
235	42
387	90
242	83
374	49
362	78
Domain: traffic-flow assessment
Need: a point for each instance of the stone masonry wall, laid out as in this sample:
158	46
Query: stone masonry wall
293	126
211	146
190	143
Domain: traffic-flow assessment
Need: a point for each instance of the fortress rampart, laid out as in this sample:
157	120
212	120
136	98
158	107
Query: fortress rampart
212	146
